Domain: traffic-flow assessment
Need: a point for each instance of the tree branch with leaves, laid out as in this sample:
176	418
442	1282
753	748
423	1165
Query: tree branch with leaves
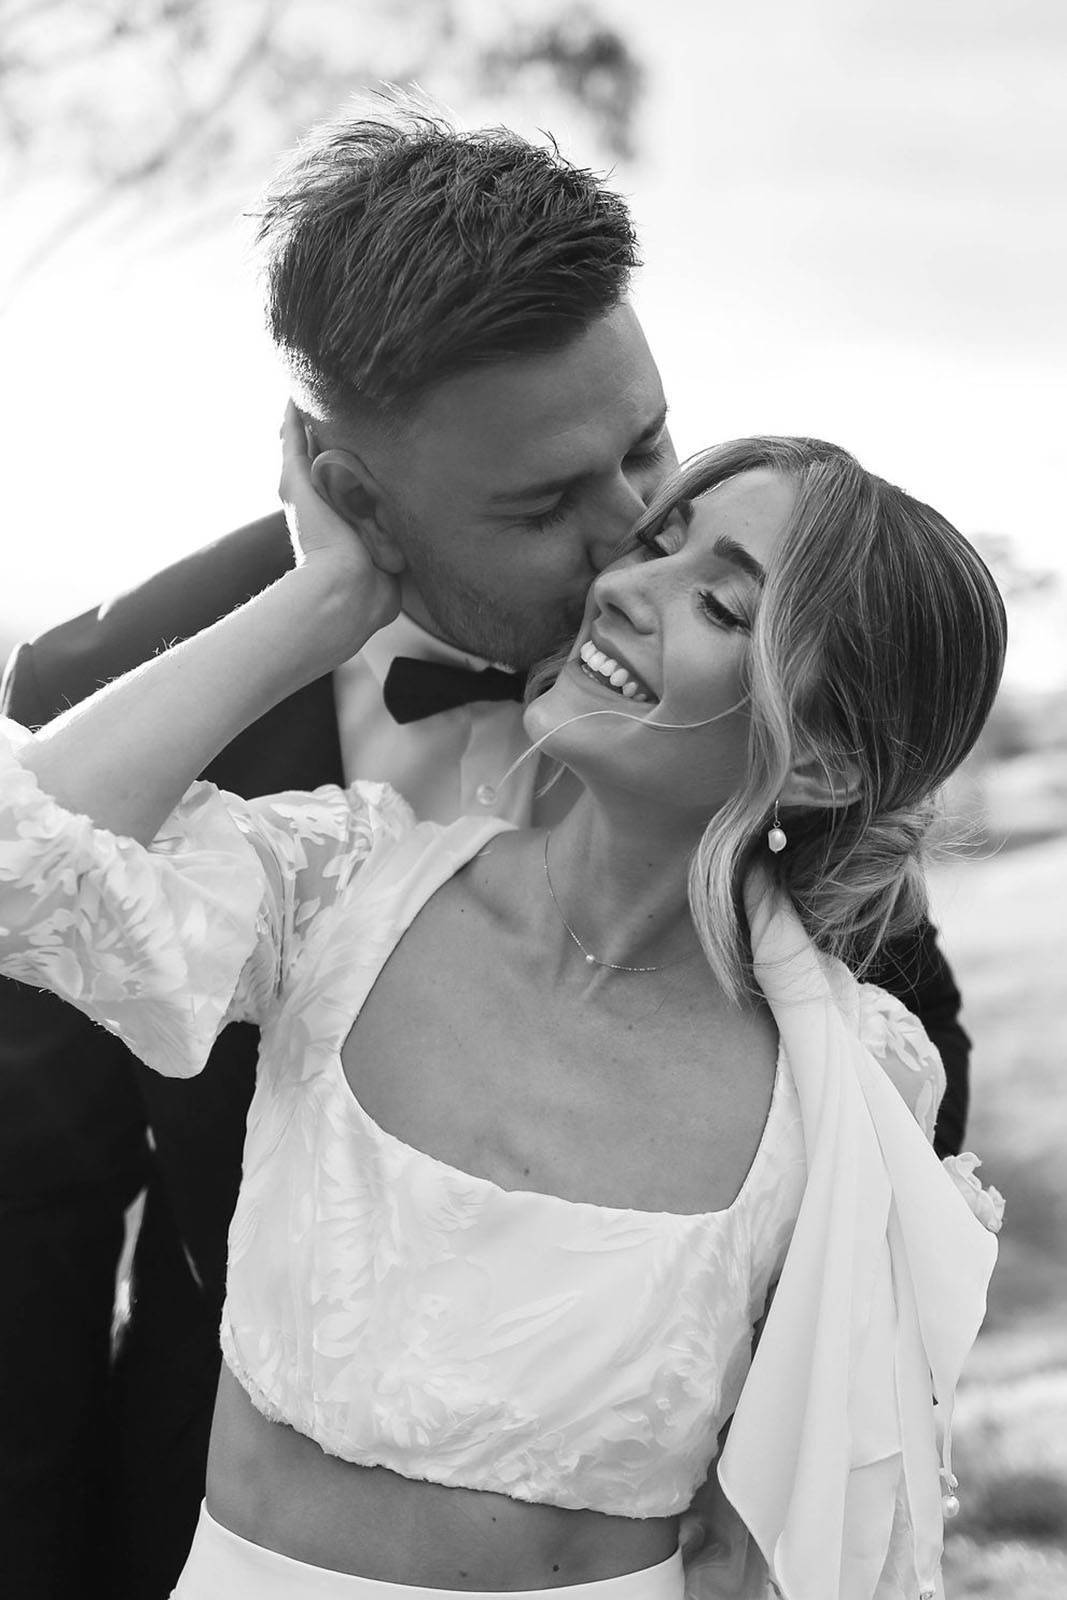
153	100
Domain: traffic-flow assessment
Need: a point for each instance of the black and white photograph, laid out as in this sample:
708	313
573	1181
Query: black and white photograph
533	800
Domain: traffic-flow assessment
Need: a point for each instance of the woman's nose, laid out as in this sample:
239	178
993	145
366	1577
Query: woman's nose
624	587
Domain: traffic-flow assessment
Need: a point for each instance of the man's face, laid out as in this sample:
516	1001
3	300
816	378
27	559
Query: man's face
513	484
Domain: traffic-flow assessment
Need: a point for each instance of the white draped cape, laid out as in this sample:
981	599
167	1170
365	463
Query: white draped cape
834	1454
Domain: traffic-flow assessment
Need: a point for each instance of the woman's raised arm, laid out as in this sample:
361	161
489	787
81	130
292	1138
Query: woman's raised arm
125	756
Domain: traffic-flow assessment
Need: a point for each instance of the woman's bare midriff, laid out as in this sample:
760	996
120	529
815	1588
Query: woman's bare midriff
276	1488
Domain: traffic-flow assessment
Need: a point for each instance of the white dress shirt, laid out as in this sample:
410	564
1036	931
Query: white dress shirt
447	766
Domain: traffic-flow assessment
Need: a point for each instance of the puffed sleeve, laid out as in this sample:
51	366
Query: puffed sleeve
900	1044
164	945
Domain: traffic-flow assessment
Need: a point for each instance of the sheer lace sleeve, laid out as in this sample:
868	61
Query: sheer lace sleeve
164	945
898	1041
309	847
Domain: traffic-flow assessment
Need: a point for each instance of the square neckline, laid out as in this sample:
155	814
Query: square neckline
479	831
634	1212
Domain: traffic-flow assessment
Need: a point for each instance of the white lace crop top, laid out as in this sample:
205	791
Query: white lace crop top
394	1309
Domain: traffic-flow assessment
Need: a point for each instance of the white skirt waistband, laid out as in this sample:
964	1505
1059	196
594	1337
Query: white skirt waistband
223	1566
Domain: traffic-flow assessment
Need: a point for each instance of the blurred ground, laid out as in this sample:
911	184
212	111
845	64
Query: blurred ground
1003	922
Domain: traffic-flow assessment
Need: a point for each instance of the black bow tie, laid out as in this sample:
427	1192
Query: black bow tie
416	689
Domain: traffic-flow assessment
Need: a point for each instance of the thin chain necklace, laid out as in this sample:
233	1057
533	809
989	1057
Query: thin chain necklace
594	961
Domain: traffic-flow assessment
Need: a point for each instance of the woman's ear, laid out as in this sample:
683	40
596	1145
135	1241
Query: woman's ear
817	786
347	484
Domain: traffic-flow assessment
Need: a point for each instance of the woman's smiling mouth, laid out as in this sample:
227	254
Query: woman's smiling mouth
611	674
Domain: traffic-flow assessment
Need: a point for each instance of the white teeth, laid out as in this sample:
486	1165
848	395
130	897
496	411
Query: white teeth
605	667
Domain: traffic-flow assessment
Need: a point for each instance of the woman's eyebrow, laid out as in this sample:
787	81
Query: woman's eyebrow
729	550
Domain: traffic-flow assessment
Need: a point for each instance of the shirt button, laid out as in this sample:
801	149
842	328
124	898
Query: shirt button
485	794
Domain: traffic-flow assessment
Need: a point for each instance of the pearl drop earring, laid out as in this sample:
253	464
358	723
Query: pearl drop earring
776	839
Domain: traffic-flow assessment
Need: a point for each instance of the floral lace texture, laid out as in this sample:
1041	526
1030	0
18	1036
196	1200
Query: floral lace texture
393	1308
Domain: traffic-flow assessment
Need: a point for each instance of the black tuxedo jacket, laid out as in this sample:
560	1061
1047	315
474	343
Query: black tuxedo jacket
72	1103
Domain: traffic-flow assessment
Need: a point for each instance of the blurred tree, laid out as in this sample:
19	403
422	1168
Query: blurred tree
1016	579
1023	719
145	98
589	60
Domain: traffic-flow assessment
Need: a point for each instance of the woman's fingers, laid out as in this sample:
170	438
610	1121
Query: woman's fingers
314	525
292	431
296	462
318	533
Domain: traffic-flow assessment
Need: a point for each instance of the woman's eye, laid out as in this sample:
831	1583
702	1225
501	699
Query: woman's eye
666	540
719	613
650	544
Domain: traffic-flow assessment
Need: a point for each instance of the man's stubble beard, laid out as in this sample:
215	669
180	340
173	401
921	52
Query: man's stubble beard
514	639
484	626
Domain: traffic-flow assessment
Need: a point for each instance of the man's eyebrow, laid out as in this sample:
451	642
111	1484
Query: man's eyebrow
729	550
537	491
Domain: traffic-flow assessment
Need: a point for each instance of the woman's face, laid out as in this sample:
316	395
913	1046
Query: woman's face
674	619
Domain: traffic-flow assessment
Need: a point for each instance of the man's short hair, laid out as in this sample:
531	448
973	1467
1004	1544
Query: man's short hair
400	251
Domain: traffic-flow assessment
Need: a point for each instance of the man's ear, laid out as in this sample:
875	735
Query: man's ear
347	484
817	786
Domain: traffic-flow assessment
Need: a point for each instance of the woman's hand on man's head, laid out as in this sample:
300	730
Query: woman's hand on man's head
324	539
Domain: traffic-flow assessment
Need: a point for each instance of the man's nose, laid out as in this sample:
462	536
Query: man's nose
611	519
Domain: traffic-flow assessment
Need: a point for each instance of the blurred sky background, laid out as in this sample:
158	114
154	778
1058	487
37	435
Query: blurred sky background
854	225
854	221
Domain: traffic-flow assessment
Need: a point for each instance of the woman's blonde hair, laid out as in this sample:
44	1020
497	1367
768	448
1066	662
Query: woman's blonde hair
876	651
